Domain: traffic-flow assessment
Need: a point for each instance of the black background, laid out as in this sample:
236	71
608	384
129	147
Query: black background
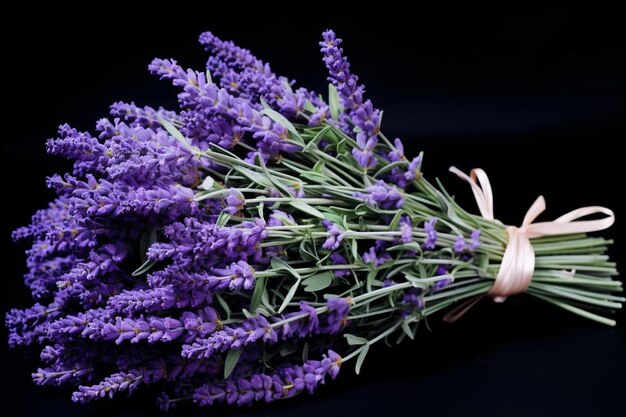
534	96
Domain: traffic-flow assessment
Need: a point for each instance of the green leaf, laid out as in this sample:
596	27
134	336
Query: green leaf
264	103
396	220
355	340
407	329
318	281
279	264
363	224
314	176
308	106
176	134
286	350
362	209
265	300
260	208
224	305
305	352
316	139
232	357
207	184
406	246
279	185
144	268
147	239
361	358
257	294
354	246
222	219
254	176
333	102
247	314
277	117
333	217
389	167
290	294
370	279
319	166
306	208
341	146
305	249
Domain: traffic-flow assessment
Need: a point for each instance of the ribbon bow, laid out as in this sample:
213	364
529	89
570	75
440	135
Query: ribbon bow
518	261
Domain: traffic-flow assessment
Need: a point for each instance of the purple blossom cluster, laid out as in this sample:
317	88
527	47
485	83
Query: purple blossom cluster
137	278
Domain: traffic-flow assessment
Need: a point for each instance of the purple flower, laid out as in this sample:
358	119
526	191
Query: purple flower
147	300
362	113
365	158
441	270
459	244
441	284
250	330
475	240
287	381
431	234
412	300
339	260
381	195
396	154
374	258
337	317
280	218
235	202
335	235
413	171
240	274
406	229
119	382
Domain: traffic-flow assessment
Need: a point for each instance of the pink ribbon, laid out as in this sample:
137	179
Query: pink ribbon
518	262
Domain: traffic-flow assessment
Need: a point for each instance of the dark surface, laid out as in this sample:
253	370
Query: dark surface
534	96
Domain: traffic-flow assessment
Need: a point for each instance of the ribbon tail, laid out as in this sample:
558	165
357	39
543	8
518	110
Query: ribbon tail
460	310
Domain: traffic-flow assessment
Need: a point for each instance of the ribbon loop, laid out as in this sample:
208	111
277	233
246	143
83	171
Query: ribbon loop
518	262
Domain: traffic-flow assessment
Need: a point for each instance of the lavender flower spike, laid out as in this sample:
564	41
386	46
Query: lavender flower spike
245	244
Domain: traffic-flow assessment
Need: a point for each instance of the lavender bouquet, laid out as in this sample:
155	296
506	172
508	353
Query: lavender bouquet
247	246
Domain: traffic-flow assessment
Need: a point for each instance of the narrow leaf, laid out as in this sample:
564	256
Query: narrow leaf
318	281
290	294
253	176
144	268
313	142
176	134
355	340
333	217
396	220
279	185
207	184
370	279
222	219
224	305
277	117
259	288
232	357
333	102
361	358
279	264
306	208
319	166
406	246
407	329
147	239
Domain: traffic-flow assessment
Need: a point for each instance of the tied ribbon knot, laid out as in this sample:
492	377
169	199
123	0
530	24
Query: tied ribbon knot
518	262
